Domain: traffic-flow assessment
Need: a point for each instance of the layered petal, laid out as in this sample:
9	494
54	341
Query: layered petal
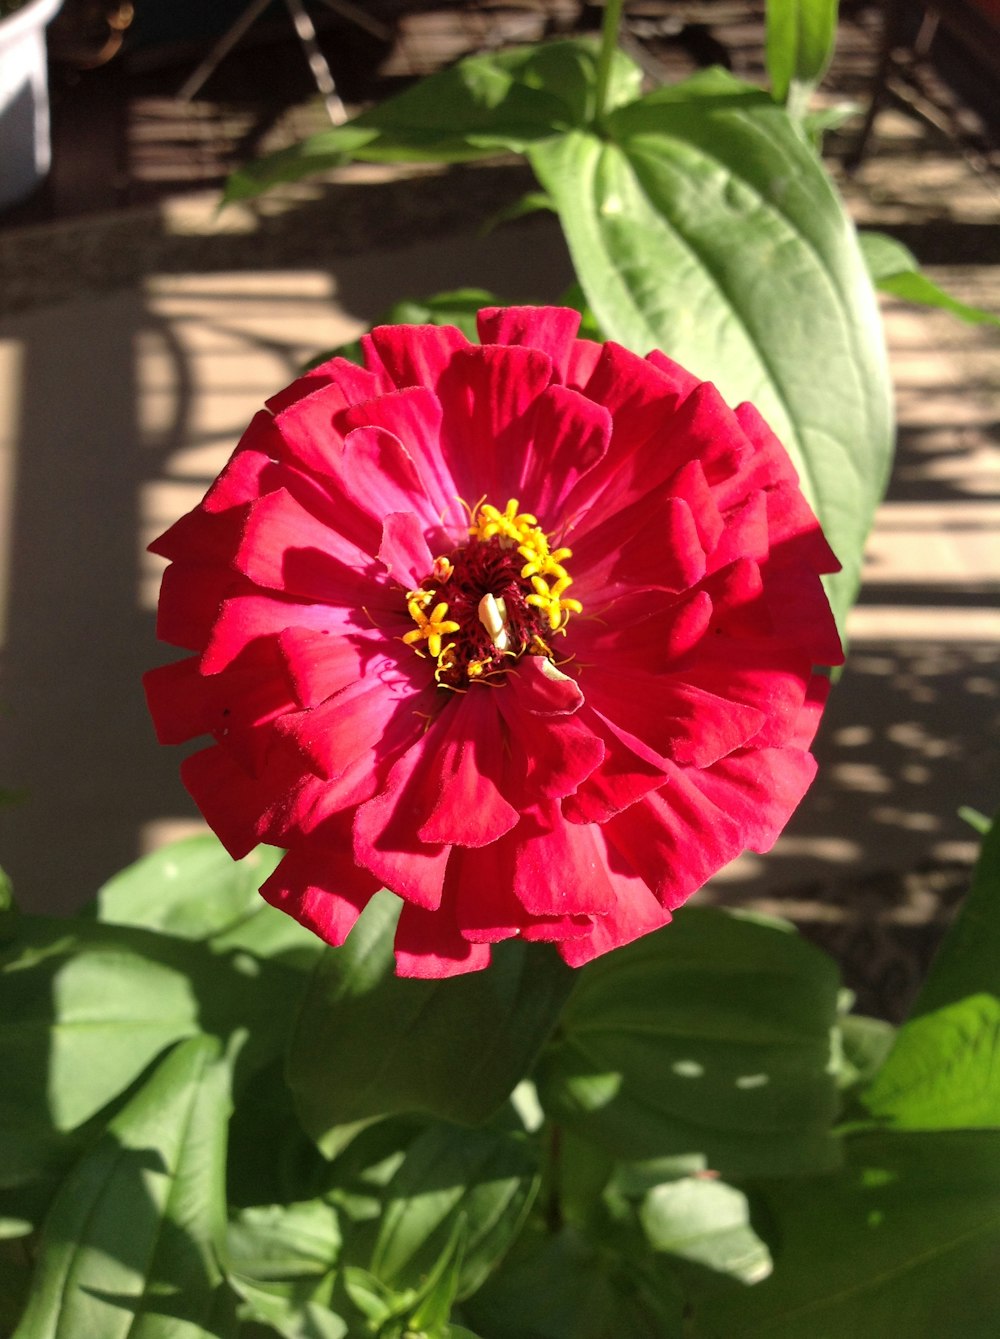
525	631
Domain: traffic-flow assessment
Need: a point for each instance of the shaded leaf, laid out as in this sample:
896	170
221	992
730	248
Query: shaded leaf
710	1037
129	1247
704	225
369	1044
902	1243
566	1287
532	202
284	1241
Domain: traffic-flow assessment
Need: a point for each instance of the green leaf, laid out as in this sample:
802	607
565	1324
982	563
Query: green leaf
902	1243
281	1260
15	1281
274	1242
943	1073
864	1044
485	1179
295	1317
129	1247
801	35
711	1037
9	911
481	105
437	1295
566	1287
193	889
369	1044
705	226
895	269
708	1223
532	202
976	820
85	1008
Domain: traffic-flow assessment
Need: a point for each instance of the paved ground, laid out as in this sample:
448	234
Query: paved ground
120	399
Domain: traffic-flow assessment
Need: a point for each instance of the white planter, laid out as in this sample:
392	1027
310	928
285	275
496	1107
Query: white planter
24	100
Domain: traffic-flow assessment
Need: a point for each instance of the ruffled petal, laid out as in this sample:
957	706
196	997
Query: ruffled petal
412	355
413	417
403	552
487	395
551	330
462	800
547	756
322	888
576	433
430	946
558	866
385	839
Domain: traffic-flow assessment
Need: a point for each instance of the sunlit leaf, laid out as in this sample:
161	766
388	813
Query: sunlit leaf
711	1037
895	270
801	35
703	224
130	1244
943	1073
481	105
708	1223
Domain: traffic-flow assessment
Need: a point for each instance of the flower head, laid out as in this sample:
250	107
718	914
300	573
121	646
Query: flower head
524	631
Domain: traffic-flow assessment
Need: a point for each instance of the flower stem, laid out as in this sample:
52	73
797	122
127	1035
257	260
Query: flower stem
609	44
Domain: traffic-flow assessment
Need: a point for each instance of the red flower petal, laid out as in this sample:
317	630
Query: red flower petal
320	885
562	762
552	330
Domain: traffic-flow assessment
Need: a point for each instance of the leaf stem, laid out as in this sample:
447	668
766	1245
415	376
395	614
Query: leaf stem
609	44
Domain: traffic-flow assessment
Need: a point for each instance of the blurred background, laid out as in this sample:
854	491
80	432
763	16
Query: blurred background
140	328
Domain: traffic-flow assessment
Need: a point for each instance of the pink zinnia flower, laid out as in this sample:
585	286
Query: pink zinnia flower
524	631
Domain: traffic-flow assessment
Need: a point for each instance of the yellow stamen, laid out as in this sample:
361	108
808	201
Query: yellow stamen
430	627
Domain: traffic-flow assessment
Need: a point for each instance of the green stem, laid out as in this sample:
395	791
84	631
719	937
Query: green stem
609	45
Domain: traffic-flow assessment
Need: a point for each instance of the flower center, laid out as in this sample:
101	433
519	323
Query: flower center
496	598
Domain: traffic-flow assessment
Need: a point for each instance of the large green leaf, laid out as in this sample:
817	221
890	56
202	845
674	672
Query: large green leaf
943	1073
369	1043
481	105
85	1008
902	1244
485	1179
129	1247
703	224
711	1037
193	889
801	35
